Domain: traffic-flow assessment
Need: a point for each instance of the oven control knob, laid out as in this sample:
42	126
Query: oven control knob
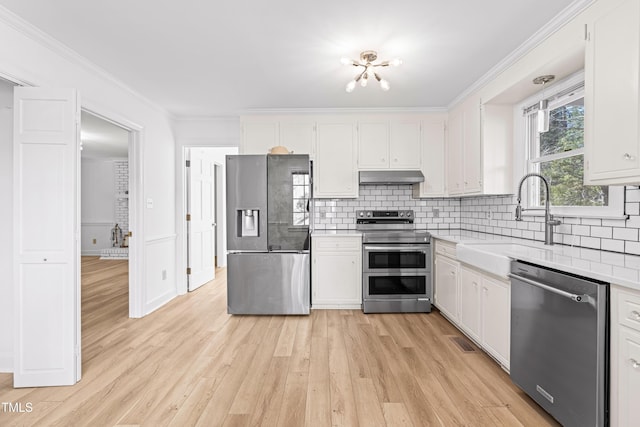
361	213
368	214
408	213
401	213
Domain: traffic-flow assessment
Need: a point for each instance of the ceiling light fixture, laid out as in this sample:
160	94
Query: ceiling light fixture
366	61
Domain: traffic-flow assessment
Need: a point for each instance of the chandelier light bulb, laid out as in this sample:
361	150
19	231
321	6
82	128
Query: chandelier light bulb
351	86
346	61
384	85
395	62
364	80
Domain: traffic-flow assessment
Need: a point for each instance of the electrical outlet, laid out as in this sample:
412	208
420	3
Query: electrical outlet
164	274
489	215
95	241
436	212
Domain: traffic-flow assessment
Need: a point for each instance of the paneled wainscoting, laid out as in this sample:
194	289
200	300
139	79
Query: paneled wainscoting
190	363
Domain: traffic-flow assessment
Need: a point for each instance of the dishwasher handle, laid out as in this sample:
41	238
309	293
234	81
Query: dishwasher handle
574	297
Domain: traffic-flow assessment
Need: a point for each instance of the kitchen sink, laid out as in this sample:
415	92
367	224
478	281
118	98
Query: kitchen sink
495	257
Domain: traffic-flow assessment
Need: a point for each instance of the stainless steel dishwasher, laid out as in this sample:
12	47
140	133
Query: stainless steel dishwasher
560	343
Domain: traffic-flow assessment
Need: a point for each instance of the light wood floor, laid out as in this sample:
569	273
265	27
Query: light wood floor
190	363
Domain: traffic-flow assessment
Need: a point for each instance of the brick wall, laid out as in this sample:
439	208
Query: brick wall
121	168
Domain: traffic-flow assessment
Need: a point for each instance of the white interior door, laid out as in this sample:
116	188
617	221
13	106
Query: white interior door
46	243
201	213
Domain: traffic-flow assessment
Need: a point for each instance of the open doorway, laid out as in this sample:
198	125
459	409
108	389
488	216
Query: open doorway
196	255
104	222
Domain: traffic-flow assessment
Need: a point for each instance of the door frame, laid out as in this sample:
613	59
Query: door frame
136	208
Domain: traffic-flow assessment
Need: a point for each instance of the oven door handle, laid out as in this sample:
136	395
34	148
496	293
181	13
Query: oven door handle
395	248
574	297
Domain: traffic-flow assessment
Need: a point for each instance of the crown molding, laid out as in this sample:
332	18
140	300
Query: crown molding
31	31
538	37
370	110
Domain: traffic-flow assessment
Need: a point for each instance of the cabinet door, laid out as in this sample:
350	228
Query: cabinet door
258	137
446	287
405	149
373	145
336	279
612	79
298	137
433	159
470	284
472	171
335	174
454	155
496	319
626	408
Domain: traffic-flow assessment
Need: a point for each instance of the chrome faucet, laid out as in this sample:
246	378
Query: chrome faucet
549	222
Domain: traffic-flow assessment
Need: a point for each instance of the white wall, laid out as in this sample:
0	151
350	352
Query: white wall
29	56
223	136
6	219
98	208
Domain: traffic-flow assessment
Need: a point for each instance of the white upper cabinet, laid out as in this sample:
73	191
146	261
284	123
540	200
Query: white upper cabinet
335	174
298	136
612	105
260	134
405	148
433	159
389	143
471	148
454	154
373	144
480	147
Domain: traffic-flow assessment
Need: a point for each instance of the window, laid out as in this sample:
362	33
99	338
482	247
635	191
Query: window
300	198
558	155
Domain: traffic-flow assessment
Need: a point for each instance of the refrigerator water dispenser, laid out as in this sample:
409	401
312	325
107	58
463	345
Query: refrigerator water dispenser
249	222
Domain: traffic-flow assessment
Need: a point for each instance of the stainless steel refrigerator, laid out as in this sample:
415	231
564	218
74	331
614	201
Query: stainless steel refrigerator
268	234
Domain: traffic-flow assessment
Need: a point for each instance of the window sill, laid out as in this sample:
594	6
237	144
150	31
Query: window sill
569	215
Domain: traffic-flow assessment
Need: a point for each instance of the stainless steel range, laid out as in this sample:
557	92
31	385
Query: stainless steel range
396	267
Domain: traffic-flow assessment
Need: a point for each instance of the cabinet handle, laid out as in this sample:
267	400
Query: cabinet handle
634	363
382	159
453	273
628	156
634	315
395	160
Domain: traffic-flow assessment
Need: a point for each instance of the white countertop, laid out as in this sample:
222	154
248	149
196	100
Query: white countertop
615	268
336	232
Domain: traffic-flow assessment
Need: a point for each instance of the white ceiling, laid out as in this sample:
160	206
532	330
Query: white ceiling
214	58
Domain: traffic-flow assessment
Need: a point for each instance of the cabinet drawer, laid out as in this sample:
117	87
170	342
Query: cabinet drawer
629	309
446	248
337	243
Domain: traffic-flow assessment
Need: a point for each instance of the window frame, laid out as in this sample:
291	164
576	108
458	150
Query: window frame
524	132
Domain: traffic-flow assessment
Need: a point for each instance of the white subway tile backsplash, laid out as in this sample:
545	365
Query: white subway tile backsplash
625	233
612	245
617	235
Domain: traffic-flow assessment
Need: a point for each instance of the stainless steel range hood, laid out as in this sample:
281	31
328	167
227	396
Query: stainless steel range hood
391	177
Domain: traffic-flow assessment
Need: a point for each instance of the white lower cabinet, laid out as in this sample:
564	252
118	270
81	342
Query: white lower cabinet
470	286
336	271
625	357
485	311
446	286
495	330
476	302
